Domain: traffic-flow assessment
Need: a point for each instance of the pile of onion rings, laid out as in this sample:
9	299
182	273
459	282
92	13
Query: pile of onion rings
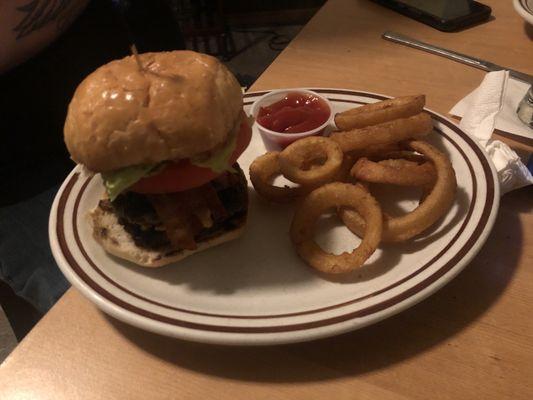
377	143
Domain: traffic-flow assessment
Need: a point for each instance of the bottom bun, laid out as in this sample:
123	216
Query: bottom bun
115	240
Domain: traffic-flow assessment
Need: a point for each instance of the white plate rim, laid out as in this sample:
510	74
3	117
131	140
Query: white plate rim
286	333
524	9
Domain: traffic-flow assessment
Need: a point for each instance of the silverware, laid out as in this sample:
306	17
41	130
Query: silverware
452	55
525	108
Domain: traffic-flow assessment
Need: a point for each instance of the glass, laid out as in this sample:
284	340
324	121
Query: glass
525	108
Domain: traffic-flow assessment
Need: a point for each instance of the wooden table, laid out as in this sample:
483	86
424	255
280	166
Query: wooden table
471	340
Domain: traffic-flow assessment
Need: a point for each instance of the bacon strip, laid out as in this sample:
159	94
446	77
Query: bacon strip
175	220
185	214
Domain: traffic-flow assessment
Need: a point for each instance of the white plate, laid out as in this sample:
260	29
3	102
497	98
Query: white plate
525	9
255	290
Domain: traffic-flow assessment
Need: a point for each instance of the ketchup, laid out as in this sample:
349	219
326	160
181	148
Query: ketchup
295	113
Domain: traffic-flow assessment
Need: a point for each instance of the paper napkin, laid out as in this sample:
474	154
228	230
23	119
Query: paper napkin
482	111
507	119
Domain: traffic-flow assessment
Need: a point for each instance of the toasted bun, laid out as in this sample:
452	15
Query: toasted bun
181	104
115	240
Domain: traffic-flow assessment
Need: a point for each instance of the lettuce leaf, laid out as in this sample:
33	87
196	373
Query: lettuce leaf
219	161
117	181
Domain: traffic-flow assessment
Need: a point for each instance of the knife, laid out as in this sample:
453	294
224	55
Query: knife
452	55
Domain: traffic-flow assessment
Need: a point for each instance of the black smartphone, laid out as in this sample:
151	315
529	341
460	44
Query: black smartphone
444	15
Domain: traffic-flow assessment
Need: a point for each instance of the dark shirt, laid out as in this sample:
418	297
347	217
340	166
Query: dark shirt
35	95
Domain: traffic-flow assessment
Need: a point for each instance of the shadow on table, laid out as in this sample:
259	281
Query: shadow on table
528	29
434	321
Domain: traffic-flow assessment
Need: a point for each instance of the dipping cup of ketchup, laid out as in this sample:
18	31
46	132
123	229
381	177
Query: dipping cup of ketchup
284	116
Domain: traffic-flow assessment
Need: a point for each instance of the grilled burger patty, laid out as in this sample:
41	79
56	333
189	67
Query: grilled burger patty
205	212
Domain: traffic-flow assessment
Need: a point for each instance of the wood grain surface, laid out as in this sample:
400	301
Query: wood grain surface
471	340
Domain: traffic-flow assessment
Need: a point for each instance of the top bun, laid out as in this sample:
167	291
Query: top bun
180	105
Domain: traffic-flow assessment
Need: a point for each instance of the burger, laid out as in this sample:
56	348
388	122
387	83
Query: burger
164	130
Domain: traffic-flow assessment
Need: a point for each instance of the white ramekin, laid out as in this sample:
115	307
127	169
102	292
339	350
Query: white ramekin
276	140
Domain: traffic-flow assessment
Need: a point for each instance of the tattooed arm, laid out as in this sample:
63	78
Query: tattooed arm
27	26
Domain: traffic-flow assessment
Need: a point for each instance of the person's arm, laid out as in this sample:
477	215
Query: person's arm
28	26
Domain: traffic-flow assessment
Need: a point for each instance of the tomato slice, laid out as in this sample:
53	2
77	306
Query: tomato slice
182	175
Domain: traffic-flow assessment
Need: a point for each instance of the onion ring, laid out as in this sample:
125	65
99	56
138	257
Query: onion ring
433	206
344	172
414	127
375	151
303	152
357	225
402	154
263	170
382	111
334	195
399	172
